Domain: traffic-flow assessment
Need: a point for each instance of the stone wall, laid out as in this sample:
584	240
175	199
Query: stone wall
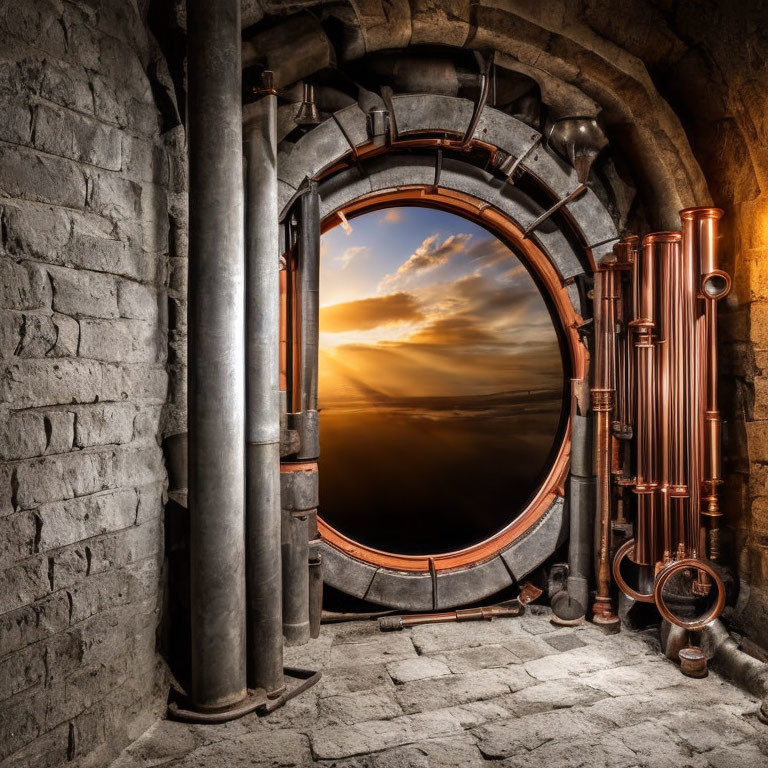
84	270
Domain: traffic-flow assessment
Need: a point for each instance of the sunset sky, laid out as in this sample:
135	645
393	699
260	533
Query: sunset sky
420	302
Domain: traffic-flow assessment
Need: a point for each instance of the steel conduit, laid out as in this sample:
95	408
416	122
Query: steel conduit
263	516
216	356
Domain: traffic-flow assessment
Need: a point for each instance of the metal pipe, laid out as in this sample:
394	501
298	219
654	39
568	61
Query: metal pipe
263	521
299	501
715	285
216	372
644	324
308	289
315	588
295	550
603	402
737	665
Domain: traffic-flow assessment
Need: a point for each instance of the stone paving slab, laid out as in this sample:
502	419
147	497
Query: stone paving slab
514	693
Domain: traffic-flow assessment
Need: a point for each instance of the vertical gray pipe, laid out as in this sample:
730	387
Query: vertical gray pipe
262	447
216	372
309	336
300	486
571	604
296	629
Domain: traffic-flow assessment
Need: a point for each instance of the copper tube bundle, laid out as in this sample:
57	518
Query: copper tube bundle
663	366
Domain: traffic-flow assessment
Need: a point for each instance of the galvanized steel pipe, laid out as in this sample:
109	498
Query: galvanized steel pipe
216	372
263	521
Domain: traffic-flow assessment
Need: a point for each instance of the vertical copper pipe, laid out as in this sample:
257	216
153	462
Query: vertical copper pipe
644	326
603	399
715	285
668	249
283	328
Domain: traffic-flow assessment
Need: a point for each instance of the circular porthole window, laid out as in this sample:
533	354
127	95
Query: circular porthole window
442	385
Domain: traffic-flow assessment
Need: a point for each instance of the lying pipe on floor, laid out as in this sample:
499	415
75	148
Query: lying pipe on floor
737	665
718	645
514	607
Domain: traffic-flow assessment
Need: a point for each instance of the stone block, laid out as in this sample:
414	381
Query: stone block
67	85
420	668
36	231
757	440
145	161
340	741
68	134
17	537
67	522
49	750
81	473
108	104
104	424
363	677
155	227
393	647
124	341
34	383
23	286
379	704
32	623
23	718
454	690
179	273
67	336
112	195
38	22
29	175
140	302
16	126
139	543
26	335
79	293
24	583
471	659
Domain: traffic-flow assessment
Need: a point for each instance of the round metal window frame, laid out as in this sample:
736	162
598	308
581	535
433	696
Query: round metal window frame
426	147
549	283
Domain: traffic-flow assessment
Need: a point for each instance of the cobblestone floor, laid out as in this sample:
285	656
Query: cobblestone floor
514	692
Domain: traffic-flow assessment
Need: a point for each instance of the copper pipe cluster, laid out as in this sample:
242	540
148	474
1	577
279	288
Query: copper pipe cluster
667	406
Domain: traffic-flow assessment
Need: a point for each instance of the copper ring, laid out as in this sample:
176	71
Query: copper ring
625	549
681	565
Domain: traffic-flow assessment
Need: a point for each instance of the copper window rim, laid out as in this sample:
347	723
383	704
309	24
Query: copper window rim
550	284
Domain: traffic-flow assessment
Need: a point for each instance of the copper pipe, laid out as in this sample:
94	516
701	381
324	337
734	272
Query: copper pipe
603	400
644	326
715	285
668	249
283	329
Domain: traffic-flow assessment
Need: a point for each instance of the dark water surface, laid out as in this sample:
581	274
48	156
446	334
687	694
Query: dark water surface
413	480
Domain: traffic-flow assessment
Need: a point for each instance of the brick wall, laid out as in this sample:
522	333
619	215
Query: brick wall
85	178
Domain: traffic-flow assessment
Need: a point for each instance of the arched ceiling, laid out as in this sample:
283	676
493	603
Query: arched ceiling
577	70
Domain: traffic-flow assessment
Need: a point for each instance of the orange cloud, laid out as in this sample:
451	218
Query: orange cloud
364	314
391	216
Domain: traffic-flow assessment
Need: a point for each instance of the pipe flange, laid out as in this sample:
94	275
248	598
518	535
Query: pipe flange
627	548
681	565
